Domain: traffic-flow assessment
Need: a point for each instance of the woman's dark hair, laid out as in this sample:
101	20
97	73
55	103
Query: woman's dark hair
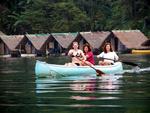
104	48
88	46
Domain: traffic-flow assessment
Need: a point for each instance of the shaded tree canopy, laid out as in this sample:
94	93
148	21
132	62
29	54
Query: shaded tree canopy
46	16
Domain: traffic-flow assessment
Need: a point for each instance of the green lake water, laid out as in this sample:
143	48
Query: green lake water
22	92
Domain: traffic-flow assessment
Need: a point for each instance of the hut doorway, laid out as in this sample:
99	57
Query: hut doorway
56	47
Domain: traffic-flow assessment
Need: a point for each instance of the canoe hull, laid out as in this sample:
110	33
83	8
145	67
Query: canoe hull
43	69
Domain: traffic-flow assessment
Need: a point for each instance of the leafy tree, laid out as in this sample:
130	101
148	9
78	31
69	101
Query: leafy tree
45	16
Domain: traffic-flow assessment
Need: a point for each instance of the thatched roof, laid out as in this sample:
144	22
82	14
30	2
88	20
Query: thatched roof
12	41
64	39
95	39
38	40
130	38
1	33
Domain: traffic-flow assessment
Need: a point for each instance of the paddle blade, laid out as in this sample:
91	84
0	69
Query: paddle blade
99	73
130	63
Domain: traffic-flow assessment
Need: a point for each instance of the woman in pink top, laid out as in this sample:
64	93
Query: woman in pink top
89	55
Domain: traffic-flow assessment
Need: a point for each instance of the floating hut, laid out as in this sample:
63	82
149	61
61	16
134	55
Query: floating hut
61	41
145	48
11	45
94	39
126	40
37	44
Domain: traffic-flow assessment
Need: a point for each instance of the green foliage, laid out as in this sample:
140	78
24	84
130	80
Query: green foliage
45	16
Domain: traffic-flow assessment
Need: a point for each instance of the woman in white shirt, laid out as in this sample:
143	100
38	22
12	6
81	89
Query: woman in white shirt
108	55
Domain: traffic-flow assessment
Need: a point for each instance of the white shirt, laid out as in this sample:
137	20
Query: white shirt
109	55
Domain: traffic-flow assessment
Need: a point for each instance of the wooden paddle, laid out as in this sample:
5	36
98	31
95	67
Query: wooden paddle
125	62
98	72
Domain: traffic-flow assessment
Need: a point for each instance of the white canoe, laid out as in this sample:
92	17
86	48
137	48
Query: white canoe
43	69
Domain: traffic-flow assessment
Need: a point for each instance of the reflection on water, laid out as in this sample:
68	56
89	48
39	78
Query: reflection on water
87	85
92	90
22	92
111	82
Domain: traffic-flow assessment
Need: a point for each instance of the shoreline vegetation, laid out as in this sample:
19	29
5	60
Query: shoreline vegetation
55	16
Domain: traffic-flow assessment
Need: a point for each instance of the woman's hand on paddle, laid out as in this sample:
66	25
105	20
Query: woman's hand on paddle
83	61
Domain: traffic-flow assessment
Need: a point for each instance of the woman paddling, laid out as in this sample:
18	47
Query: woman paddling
77	55
108	55
89	55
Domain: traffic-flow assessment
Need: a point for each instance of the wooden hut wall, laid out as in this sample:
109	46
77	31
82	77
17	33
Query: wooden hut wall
22	46
6	50
121	47
29	47
115	42
41	51
57	47
60	48
51	45
1	47
81	43
33	50
117	45
46	46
